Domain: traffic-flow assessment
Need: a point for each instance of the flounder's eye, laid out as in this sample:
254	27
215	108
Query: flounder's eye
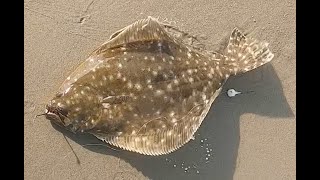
62	111
58	94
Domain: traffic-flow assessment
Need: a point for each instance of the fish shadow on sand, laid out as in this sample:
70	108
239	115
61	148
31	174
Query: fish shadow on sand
213	152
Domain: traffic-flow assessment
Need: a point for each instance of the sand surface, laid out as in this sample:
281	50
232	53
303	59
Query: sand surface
249	137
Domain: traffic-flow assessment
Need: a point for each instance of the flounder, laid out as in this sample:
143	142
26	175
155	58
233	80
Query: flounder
145	90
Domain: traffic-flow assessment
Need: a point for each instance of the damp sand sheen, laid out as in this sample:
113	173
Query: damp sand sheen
146	90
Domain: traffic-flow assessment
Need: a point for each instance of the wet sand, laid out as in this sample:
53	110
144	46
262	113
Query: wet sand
248	137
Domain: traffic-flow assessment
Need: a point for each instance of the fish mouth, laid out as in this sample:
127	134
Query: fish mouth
61	121
56	115
59	117
53	116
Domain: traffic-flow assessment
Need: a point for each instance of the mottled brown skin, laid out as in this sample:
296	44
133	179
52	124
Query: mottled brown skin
142	102
150	89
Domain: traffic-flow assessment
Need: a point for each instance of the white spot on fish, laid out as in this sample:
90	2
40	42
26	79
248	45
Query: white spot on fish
118	75
129	84
138	86
154	73
159	92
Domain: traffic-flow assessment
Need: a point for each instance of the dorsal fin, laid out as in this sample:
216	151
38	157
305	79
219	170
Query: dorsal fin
142	30
80	71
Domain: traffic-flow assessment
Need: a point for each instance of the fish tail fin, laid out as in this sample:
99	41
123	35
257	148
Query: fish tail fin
244	54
